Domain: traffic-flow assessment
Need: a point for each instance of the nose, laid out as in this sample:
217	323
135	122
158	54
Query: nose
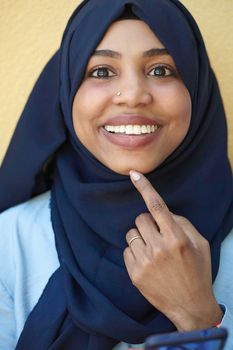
133	92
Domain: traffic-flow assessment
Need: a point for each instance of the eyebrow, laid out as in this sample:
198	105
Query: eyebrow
150	53
156	52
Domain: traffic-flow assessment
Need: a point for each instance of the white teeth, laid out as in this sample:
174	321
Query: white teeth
136	129
131	129
144	129
122	128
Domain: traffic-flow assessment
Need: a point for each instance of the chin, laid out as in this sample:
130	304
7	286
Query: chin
124	169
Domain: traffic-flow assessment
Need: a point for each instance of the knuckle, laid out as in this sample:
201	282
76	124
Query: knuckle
181	219
145	262
180	245
156	205
148	216
141	270
135	278
126	252
131	233
141	218
138	220
158	253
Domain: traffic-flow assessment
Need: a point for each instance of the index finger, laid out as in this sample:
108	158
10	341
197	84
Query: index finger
155	204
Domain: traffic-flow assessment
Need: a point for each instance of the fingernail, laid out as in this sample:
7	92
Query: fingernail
135	176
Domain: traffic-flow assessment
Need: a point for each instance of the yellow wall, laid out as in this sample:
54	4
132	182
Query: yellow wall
30	31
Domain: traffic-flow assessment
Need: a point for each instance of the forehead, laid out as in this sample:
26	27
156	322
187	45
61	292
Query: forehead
129	34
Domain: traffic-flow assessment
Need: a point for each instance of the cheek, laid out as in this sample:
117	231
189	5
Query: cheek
90	100
184	108
175	102
184	103
90	103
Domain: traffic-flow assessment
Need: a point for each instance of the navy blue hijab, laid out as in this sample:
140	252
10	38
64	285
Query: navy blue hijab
89	302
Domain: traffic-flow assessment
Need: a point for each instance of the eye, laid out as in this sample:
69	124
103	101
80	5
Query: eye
161	71
101	73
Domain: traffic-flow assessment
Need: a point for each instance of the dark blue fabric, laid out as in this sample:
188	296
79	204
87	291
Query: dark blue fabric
90	302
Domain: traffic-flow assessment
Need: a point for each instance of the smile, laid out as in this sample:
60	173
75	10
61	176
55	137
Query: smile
131	136
131	129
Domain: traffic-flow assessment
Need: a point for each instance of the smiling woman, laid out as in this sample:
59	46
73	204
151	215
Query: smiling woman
96	257
152	111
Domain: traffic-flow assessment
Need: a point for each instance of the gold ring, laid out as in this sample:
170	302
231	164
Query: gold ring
133	238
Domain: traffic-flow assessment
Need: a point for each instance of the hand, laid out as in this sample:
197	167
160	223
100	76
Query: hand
170	263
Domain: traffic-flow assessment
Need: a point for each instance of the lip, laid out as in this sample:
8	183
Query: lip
131	119
131	141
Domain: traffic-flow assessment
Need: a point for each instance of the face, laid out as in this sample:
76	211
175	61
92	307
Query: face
132	109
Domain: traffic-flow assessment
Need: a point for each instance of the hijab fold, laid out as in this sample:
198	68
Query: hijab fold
89	302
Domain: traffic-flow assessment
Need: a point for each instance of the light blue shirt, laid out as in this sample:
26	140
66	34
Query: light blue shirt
28	258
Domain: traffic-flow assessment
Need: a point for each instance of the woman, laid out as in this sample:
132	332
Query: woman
129	92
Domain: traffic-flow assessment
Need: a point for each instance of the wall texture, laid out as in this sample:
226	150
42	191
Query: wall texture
30	31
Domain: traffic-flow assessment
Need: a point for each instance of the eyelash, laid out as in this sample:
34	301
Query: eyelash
168	72
91	74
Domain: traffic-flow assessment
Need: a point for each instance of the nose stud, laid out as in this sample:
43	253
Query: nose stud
118	93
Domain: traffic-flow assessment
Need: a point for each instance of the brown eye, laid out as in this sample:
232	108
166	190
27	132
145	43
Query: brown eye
161	71
101	73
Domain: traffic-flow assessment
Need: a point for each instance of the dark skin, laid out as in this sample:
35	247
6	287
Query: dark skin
170	263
